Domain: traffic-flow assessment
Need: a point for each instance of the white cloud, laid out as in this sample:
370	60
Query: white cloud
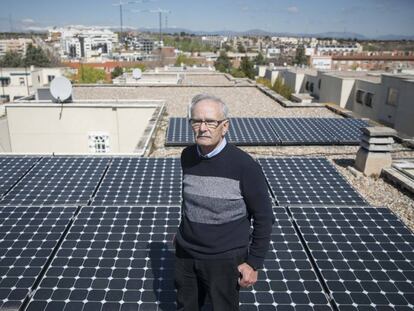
293	9
27	21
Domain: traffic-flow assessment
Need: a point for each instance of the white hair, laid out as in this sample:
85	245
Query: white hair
200	97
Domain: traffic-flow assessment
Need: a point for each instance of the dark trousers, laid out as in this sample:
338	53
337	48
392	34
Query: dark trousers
215	280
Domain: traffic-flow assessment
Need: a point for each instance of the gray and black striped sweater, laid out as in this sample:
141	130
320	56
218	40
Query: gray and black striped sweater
221	195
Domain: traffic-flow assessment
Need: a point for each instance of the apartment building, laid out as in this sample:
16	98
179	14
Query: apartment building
16	45
21	82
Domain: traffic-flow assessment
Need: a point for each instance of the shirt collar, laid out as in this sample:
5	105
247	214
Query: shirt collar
216	150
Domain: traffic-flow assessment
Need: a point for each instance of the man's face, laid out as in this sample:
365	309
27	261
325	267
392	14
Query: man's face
208	137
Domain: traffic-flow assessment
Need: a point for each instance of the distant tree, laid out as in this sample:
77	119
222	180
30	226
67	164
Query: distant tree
117	72
259	59
247	67
36	56
11	59
223	63
300	57
265	82
282	89
241	48
90	75
237	73
183	59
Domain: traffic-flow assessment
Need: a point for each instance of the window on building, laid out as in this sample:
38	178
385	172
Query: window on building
307	86
359	96
319	83
21	81
311	87
392	97
99	142
4	98
369	98
5	81
50	78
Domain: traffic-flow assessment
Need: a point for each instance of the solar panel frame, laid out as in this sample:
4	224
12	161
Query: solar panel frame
346	131
365	254
141	181
28	236
59	180
299	180
12	168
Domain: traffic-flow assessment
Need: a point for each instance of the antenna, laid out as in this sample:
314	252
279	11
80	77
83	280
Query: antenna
159	11
137	73
61	89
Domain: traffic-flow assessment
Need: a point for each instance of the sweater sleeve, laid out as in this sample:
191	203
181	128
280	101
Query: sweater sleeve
259	206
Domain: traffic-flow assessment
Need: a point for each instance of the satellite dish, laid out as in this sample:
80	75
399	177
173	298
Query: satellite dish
61	89
137	73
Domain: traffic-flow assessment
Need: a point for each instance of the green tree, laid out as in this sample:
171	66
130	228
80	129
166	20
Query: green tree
300	57
183	59
223	63
237	73
247	67
90	75
259	59
11	59
241	48
36	57
116	72
282	89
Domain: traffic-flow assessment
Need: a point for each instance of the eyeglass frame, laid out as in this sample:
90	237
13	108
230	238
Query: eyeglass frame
195	126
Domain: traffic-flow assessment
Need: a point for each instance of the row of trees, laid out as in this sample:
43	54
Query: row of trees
246	69
34	56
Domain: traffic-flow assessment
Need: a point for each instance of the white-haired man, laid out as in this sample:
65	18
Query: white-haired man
223	189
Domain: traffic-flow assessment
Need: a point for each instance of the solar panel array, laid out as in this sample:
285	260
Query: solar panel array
365	254
299	180
28	235
117	252
141	181
58	180
12	168
276	131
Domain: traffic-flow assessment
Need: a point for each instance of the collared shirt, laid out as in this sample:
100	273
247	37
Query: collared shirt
216	150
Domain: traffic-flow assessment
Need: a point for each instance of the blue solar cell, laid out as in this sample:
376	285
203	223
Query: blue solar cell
365	255
12	168
28	235
308	181
58	180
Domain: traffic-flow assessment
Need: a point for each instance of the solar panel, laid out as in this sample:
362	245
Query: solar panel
345	131
12	168
141	181
113	258
251	131
287	281
179	132
365	255
308	181
300	131
28	235
122	258
58	180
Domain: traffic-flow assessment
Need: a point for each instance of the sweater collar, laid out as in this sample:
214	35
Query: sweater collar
215	152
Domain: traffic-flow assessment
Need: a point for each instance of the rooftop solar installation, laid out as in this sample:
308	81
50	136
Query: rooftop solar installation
141	181
251	131
113	258
12	168
345	131
58	180
179	132
365	255
28	235
300	180
122	258
276	131
301	131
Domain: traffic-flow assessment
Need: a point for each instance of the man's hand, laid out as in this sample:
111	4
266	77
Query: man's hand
248	275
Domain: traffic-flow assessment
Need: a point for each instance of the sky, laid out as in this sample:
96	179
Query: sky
371	18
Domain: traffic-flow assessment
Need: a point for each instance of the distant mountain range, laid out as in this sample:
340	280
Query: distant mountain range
259	32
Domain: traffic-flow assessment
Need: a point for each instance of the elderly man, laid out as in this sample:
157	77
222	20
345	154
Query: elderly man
223	189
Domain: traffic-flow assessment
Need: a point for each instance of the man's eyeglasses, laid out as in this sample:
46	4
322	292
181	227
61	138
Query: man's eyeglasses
211	124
